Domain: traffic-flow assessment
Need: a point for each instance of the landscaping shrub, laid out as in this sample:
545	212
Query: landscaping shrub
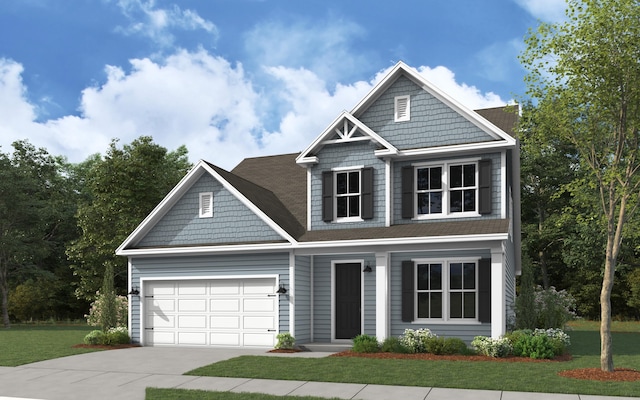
95	312
94	337
285	341
534	347
415	341
116	336
492	347
393	345
365	344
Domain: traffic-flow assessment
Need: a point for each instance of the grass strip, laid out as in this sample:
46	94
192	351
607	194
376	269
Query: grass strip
489	375
27	344
185	394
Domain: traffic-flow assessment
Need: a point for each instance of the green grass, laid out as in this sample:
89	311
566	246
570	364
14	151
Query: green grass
23	344
183	394
509	376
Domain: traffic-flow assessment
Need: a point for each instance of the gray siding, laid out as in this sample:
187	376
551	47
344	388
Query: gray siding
465	332
432	122
510	285
348	155
496	197
232	221
303	299
210	266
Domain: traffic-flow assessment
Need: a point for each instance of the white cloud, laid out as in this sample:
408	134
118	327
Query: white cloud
545	10
156	23
199	100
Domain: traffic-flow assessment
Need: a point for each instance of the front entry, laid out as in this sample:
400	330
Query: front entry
348	300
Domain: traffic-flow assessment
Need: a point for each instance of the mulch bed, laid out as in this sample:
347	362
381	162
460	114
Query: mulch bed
619	374
105	347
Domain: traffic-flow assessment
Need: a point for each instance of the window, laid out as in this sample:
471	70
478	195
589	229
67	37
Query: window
206	205
446	290
441	290
347	195
402	109
446	190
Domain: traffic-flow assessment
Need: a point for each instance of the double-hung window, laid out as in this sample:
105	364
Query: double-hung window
446	290
447	189
347	194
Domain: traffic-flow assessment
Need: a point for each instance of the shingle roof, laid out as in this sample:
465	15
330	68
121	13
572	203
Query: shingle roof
504	118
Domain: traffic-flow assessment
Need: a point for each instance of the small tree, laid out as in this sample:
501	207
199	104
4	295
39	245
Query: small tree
526	315
109	314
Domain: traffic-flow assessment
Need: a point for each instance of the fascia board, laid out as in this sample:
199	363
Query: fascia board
328	130
336	244
161	209
235	192
444	150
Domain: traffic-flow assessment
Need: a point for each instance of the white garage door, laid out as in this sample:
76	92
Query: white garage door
221	312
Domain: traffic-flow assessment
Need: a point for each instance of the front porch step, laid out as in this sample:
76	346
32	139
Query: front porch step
326	347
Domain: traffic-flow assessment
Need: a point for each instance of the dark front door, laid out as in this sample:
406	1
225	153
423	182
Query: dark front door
348	297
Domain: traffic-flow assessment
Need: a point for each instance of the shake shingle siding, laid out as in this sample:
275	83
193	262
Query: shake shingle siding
432	122
232	221
344	156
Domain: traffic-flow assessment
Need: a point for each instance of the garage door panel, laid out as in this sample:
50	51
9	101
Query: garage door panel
257	322
259	304
161	321
192	305
228	287
224	339
224	322
225	305
213	312
192	338
192	321
257	339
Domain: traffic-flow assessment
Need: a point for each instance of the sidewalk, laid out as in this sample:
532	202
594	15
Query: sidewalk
125	374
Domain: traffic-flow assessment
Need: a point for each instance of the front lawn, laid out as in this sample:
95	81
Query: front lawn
183	394
24	344
490	375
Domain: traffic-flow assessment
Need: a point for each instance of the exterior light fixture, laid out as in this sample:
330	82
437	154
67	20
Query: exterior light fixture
134	291
281	289
367	268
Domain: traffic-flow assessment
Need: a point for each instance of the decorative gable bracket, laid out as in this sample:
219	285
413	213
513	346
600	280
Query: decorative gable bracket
345	129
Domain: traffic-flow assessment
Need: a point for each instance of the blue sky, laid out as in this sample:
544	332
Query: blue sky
239	78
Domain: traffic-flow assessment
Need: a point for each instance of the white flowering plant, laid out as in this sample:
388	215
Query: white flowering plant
487	346
415	341
95	312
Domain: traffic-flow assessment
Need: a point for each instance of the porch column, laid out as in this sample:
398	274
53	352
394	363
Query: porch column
382	296
498	313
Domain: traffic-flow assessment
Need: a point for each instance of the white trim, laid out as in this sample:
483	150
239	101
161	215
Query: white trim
388	195
445	150
130	296
383	302
503	184
498	293
347	169
311	298
333	296
446	289
292	294
309	208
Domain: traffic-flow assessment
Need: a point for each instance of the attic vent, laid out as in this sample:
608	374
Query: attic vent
402	108
206	205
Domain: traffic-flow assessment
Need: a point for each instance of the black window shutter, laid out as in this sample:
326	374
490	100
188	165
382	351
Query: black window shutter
408	288
367	193
407	192
484	186
327	196
484	290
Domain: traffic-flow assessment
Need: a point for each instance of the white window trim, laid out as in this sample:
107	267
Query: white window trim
446	213
445	290
406	116
201	203
342	170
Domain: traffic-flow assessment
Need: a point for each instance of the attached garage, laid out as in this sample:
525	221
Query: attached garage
235	312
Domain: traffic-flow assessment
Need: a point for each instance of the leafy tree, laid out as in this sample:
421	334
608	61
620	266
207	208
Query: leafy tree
120	189
586	73
31	214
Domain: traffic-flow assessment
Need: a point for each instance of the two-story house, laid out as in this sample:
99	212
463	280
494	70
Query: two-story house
403	213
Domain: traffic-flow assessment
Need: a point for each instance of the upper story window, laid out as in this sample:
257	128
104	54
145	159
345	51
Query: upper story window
206	205
347	195
446	189
402	108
